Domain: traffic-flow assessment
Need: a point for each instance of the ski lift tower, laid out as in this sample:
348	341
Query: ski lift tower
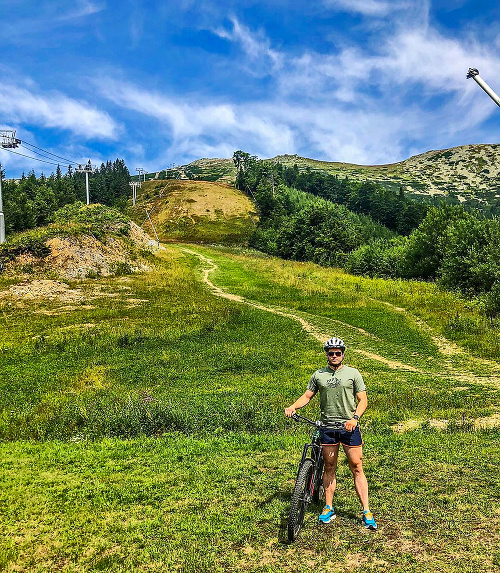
473	73
86	169
8	141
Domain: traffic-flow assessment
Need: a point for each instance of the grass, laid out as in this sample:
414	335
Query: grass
220	504
143	429
196	211
362	302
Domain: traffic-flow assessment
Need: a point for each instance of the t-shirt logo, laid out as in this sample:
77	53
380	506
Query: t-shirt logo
333	382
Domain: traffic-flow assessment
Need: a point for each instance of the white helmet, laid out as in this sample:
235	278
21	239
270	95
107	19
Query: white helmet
334	343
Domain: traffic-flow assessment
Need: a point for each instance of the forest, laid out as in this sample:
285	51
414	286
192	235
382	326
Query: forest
32	201
369	230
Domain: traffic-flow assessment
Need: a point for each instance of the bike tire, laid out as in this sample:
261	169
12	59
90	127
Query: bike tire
298	504
319	482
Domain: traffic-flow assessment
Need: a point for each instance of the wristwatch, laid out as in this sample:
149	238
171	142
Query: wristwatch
356	417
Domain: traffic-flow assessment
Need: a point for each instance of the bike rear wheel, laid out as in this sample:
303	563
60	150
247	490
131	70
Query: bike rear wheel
300	498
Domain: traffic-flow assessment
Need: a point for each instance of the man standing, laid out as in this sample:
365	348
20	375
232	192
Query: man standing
343	399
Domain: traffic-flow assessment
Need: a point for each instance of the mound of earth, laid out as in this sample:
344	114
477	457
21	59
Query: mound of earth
83	255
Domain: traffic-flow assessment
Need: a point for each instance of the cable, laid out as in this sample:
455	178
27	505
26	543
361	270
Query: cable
49	153
44	156
29	157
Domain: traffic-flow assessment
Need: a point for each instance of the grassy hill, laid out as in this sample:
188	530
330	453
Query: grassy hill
144	430
195	211
471	172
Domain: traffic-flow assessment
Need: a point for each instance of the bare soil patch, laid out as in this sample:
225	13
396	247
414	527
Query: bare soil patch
81	256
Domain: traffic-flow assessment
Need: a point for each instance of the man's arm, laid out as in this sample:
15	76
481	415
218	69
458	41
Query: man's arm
302	401
362	398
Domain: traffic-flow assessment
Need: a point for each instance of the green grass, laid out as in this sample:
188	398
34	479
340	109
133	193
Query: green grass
361	302
220	504
143	431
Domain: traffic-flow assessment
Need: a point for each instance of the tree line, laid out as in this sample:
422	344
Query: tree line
369	230
32	201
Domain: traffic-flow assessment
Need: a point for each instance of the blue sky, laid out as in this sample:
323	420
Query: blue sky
162	82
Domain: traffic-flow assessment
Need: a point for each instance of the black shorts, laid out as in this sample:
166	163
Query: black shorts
330	437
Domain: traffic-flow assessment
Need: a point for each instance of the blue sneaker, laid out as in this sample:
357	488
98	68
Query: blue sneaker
368	520
327	514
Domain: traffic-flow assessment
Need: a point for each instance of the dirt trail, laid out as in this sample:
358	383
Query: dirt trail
446	348
309	328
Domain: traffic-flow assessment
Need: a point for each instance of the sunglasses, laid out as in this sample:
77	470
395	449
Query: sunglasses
335	353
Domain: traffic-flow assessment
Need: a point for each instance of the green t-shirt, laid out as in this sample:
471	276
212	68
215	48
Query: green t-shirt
337	392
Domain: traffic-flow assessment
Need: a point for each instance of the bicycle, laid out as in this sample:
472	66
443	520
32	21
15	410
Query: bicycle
309	479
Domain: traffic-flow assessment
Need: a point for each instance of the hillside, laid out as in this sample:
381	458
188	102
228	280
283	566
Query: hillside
195	211
150	421
471	172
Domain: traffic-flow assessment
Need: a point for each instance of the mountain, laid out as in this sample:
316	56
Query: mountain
467	173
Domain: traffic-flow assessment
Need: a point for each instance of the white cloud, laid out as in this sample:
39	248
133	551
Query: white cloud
55	110
364	104
365	7
257	47
82	9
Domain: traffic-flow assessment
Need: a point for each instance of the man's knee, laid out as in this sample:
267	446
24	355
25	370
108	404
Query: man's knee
330	466
356	465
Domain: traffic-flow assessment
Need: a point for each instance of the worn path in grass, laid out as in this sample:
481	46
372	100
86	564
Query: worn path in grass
448	350
308	327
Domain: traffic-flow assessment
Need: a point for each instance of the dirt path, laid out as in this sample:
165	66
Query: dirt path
309	328
446	348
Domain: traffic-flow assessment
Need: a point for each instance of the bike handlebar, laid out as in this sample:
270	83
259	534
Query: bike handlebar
318	423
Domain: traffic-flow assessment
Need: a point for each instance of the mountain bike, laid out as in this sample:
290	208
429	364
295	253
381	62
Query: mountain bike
309	481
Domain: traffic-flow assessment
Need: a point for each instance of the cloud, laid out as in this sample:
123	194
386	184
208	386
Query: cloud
365	7
366	103
256	46
23	105
82	9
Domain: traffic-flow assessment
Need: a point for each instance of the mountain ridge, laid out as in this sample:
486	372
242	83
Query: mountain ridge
467	173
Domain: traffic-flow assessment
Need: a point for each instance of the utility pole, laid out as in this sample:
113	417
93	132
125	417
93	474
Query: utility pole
134	185
140	170
473	73
9	141
2	219
86	169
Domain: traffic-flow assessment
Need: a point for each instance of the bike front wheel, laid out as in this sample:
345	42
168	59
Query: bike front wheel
318	488
300	498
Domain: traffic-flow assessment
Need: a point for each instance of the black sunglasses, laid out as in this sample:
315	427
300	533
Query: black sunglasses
335	353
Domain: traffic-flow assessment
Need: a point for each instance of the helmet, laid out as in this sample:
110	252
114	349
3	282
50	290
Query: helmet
334	343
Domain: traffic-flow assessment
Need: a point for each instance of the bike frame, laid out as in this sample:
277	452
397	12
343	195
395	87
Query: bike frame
308	481
315	451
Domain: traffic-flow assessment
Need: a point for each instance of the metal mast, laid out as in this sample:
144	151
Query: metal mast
134	185
9	141
473	73
140	170
2	218
86	169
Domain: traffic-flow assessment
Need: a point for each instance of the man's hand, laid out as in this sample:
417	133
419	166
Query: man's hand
289	412
351	424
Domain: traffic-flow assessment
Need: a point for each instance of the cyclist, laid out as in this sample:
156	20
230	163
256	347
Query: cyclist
343	398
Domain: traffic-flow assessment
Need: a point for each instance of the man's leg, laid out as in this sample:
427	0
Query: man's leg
355	459
330	457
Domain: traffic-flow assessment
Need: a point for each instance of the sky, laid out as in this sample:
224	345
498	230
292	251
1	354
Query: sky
159	83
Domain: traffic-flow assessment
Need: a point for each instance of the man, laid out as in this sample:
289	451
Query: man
343	399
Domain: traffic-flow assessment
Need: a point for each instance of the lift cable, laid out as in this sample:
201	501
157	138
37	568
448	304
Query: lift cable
29	157
50	153
45	156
